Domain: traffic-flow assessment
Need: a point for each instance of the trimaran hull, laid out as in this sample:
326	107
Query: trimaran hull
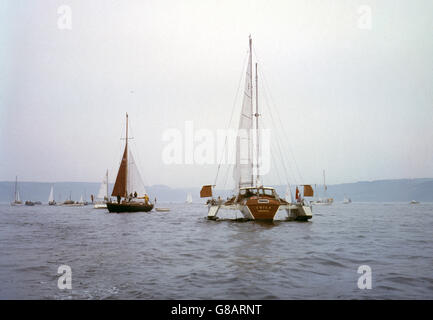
253	210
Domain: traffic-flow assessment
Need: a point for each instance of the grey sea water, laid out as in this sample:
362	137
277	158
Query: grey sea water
181	255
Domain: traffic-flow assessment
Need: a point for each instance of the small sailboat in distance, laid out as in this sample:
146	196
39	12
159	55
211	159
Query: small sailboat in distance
51	200
17	201
347	200
69	201
102	197
129	188
325	201
189	198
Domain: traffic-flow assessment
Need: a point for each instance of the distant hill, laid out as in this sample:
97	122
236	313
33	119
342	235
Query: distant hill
402	190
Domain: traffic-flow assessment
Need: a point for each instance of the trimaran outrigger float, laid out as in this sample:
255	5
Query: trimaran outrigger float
252	199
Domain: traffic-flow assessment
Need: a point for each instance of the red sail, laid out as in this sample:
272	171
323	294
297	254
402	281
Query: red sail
120	185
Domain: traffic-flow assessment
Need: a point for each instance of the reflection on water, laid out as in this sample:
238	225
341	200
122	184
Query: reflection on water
182	255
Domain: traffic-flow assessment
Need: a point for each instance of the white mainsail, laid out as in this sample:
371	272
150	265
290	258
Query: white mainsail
103	189
189	198
81	199
243	171
51	196
134	181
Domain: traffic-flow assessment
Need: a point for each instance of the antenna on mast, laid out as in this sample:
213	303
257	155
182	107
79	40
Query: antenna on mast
257	127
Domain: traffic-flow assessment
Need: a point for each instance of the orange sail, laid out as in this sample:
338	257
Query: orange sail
308	191
206	191
120	185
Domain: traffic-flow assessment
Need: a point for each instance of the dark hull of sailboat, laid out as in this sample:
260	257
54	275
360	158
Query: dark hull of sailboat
129	207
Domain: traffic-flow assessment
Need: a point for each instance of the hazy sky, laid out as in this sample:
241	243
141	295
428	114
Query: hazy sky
355	101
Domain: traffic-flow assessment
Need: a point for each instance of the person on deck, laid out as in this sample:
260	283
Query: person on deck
146	199
135	194
118	198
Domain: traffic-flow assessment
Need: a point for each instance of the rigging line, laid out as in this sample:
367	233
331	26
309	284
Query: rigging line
272	105
266	87
277	140
231	118
288	177
143	179
272	118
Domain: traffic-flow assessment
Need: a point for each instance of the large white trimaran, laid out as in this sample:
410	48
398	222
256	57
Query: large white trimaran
251	198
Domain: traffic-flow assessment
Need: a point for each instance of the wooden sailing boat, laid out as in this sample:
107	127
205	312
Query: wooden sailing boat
17	201
102	197
251	198
51	200
69	201
128	188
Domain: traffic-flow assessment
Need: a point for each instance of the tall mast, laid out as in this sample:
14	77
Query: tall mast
324	182
257	128
252	120
16	184
126	162
107	183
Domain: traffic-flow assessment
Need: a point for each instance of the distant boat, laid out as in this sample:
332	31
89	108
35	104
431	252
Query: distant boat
29	203
414	202
102	197
162	209
347	200
69	201
189	198
82	202
51	200
129	188
17	201
323	201
37	202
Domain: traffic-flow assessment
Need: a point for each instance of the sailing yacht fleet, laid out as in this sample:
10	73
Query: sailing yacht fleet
251	197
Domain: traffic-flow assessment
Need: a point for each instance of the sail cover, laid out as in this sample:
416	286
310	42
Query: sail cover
243	170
